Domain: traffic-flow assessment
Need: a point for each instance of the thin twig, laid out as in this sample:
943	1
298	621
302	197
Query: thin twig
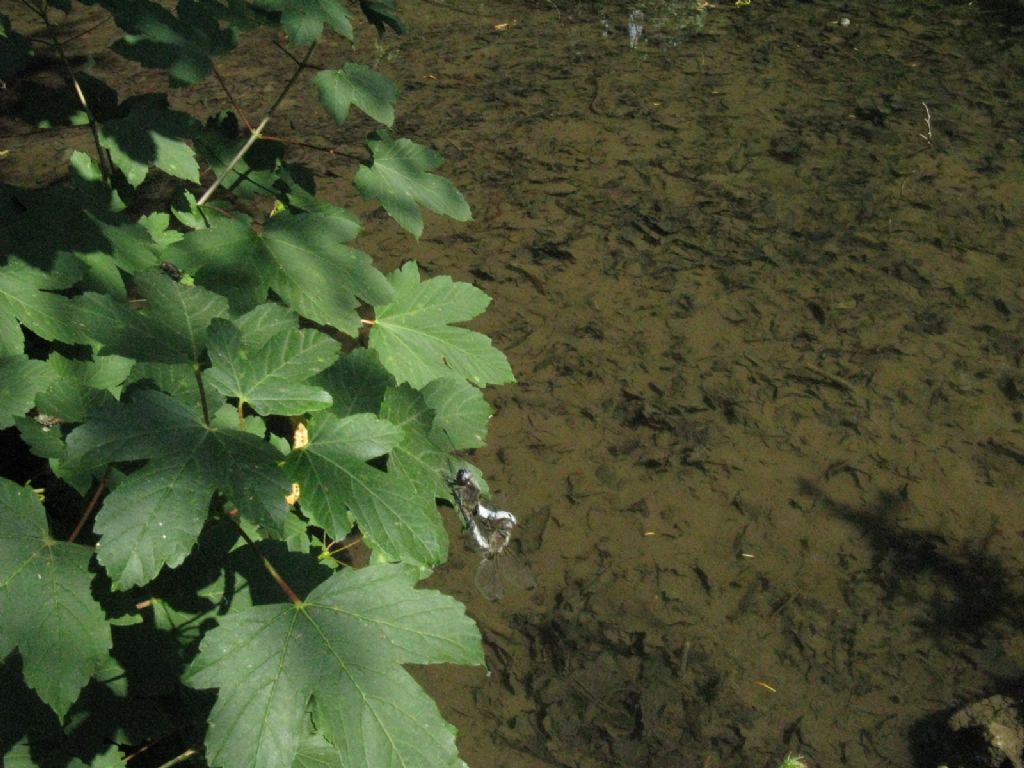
307	145
90	508
287	53
253	138
190	752
258	132
85	32
231	98
103	158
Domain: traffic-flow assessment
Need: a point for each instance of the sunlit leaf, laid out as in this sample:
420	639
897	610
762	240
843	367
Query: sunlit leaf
269	373
357	84
151	134
154	516
304	20
340	489
416	342
46	605
416	459
462	413
302	257
343	648
316	274
400	179
316	752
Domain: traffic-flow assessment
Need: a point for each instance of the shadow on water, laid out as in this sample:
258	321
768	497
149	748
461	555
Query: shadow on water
967	591
969	588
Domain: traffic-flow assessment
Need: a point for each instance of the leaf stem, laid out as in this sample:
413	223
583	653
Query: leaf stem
277	577
190	752
317	147
102	156
90	507
257	133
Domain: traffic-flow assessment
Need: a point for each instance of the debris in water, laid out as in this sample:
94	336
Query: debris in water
636	27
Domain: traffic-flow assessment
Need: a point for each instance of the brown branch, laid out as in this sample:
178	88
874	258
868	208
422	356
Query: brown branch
258	132
90	507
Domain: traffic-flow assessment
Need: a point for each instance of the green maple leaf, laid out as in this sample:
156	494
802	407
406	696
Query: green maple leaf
154	516
26	298
342	648
315	274
126	247
304	20
303	257
267	372
416	342
169	328
400	179
150	133
416	458
461	413
357	84
46	606
21	379
317	752
77	388
219	259
73	231
183	45
357	383
340	489
382	13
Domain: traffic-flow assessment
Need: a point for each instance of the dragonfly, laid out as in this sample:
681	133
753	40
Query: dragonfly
466	495
490	530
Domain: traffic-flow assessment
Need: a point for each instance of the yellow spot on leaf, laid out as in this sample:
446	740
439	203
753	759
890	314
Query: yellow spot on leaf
301	437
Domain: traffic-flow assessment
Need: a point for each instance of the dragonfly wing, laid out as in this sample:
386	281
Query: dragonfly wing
488	579
514	572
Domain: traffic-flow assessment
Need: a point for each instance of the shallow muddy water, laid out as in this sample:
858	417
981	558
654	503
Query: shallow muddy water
766	445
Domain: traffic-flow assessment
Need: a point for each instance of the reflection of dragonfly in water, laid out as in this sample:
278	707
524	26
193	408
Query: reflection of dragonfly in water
491	532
